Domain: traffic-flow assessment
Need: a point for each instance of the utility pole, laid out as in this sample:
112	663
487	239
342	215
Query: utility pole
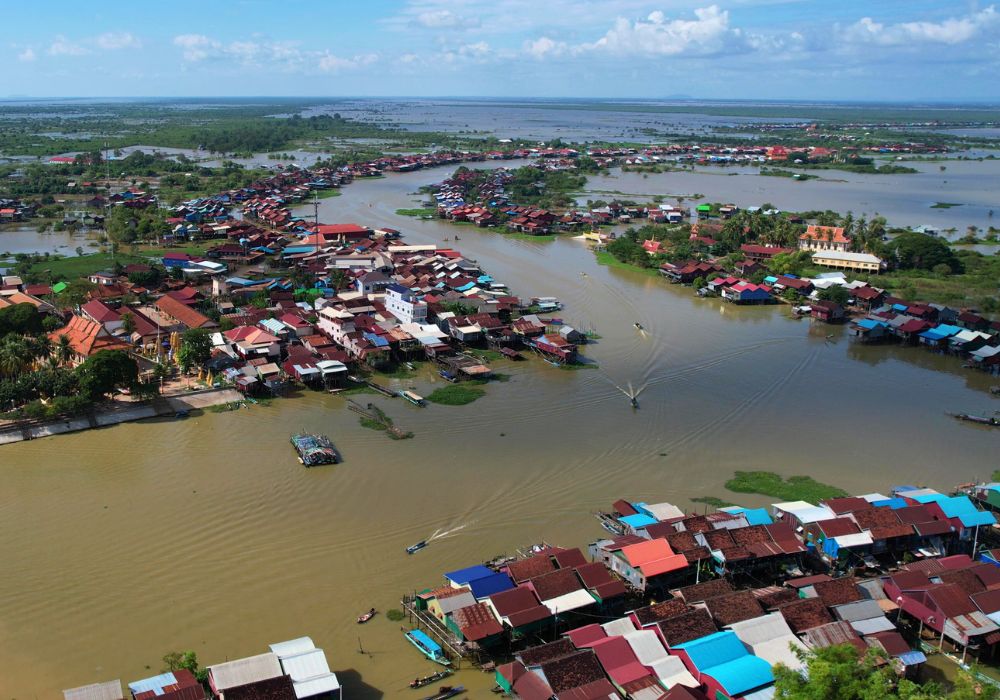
315	204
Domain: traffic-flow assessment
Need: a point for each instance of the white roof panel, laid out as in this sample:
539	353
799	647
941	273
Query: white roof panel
316	686
857	540
242	671
664	511
646	646
292	647
569	601
761	629
622	625
779	650
308	664
109	690
671	671
873	625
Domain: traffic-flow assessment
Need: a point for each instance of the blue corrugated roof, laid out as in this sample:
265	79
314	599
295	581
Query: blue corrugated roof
894	503
870	323
754	516
471	573
483	587
638	520
912	658
377	340
465	287
723	657
928	497
155	684
899	307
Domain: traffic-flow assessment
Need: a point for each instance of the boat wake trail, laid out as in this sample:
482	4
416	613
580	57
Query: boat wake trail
440	534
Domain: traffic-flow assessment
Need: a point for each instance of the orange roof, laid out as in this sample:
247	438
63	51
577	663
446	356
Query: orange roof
654	557
182	313
87	337
823	233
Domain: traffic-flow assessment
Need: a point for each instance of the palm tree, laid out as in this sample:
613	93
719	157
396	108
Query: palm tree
14	356
64	350
41	347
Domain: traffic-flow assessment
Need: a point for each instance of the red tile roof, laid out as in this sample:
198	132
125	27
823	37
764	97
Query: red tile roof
476	622
183	314
87	337
687	626
838	591
523	569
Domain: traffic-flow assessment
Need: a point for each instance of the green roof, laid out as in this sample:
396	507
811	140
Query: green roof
58	287
704	207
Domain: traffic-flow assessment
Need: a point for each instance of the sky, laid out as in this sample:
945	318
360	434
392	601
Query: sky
886	50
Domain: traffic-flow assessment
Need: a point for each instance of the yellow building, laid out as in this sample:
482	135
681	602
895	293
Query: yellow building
858	262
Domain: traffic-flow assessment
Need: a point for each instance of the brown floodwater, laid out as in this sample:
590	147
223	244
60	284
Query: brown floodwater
121	544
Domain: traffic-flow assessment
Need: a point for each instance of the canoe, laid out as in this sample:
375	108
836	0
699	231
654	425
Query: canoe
433	678
367	616
413	548
445	692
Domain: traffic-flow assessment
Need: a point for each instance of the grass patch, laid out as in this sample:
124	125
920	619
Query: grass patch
712	501
72	268
945	205
775	172
456	395
372	424
608	260
397	372
327	194
420	211
530	237
579	365
394	615
500	377
491	355
795	488
354	390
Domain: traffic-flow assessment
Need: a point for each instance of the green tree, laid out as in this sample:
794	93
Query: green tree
107	370
15	355
22	319
63	350
76	293
919	251
195	350
835	293
128	323
188	661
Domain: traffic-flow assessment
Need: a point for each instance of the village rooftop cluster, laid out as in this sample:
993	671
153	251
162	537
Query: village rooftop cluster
882	571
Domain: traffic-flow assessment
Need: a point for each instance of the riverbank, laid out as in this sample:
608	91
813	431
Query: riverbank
13	432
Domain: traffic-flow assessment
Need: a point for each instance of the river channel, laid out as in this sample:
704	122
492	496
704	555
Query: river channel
121	544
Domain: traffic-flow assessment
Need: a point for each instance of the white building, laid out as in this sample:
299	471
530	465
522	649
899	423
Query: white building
401	303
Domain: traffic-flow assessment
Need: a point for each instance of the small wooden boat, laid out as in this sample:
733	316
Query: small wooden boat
446	691
433	678
638	326
183	413
414	548
427	646
448	376
979	420
362	619
414	398
511	354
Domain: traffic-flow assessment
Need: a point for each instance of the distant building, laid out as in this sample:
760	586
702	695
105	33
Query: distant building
825	238
858	262
403	304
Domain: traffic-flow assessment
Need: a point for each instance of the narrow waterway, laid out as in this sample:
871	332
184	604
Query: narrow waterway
119	545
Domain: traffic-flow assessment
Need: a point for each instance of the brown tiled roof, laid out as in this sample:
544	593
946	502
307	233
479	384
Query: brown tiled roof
86	337
696	554
514	600
778	596
600	689
837	527
523	569
734	607
964	579
556	583
279	688
876	517
838	591
477	622
182	313
696	523
681	541
952	600
546	652
850	504
442	592
914	514
736	553
594	574
750	535
987	601
660	611
573	671
719	539
687	626
657	530
988	574
705	590
832	634
805	614
623	507
570	558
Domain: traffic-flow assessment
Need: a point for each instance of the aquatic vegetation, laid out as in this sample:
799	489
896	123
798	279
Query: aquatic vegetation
456	395
794	488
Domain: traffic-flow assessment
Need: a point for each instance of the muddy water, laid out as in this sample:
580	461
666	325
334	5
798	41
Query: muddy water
121	544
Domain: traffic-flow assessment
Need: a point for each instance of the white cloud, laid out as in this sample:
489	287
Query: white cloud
196	47
27	56
951	31
443	19
329	63
543	47
112	41
61	46
707	33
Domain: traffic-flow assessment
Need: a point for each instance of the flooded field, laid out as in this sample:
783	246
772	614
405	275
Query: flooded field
905	200
124	543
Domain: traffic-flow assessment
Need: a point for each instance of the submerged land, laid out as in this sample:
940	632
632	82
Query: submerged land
303	259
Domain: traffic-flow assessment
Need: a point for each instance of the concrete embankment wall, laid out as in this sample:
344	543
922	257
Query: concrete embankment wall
167	405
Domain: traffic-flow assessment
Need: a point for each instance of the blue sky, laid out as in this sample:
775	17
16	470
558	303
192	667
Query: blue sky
768	49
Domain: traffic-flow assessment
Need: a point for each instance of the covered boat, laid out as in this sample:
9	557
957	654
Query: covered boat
427	646
314	450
